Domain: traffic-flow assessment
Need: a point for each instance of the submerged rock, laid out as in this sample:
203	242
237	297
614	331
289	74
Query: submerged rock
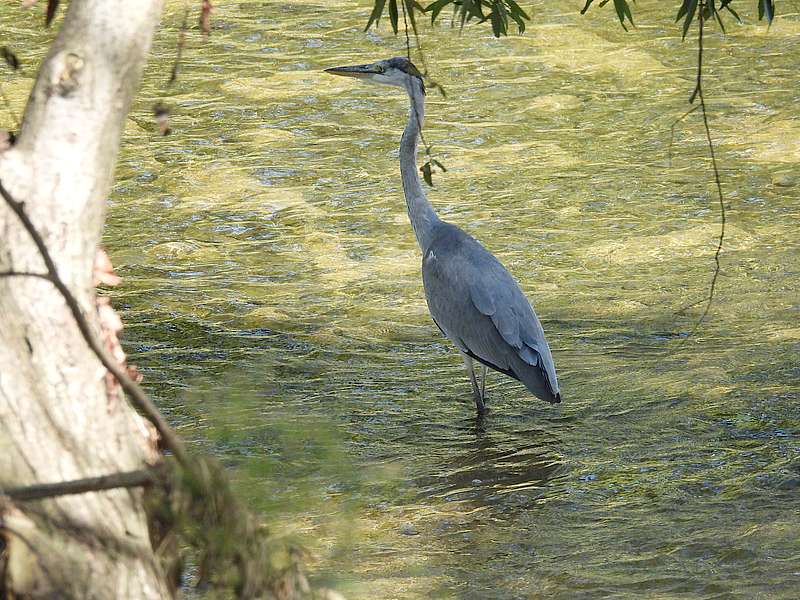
409	529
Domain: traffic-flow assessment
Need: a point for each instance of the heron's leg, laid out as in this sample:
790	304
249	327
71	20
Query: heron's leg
477	392
483	382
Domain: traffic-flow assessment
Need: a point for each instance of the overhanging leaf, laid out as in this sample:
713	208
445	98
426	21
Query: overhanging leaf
377	11
682	10
410	5
427	173
438	164
688	8
519	15
623	12
393	15
436	8
516	8
497	24
719	21
766	8
10	58
52	5
726	4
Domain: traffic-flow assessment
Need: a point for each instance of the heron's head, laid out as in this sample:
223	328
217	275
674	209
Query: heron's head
398	71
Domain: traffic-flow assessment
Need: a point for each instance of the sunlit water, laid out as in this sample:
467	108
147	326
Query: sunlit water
273	298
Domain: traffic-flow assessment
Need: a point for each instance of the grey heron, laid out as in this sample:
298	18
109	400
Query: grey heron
472	298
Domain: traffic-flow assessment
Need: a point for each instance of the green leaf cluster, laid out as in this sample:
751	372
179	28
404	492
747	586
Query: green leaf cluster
427	170
688	9
499	13
621	6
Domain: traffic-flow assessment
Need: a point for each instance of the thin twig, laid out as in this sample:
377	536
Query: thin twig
128	479
428	147
421	52
25	274
405	24
688	306
181	43
698	94
434	85
672	131
134	392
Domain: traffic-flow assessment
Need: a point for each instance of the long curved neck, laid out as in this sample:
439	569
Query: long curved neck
420	212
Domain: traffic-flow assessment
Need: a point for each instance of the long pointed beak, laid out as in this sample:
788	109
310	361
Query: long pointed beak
358	71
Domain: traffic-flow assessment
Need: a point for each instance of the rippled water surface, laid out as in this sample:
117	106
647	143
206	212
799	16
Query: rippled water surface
273	298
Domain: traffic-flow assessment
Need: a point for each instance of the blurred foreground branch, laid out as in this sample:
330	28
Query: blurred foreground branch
195	503
139	478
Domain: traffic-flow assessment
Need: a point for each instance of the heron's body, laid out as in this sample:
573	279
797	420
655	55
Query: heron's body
472	298
477	304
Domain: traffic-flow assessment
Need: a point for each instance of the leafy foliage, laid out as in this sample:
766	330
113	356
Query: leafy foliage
766	8
500	12
688	9
427	170
621	6
497	12
194	517
10	58
52	6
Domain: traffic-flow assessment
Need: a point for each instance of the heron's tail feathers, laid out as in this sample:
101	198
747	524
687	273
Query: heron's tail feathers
536	380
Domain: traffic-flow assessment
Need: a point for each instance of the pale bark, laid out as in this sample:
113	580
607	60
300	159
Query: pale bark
57	420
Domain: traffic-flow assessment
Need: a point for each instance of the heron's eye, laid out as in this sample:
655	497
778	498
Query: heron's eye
381	69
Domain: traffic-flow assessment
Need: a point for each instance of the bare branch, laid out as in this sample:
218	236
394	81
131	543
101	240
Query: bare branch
205	17
672	131
405	26
181	43
138	478
698	94
688	306
24	274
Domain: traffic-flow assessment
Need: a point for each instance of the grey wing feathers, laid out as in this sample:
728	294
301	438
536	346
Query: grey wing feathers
501	299
477	304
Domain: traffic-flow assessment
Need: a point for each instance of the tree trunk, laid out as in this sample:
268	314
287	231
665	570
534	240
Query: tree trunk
58	418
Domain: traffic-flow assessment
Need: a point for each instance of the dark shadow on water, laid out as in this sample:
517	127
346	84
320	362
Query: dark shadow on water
487	458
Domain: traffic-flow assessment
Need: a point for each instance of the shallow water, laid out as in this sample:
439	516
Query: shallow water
273	299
